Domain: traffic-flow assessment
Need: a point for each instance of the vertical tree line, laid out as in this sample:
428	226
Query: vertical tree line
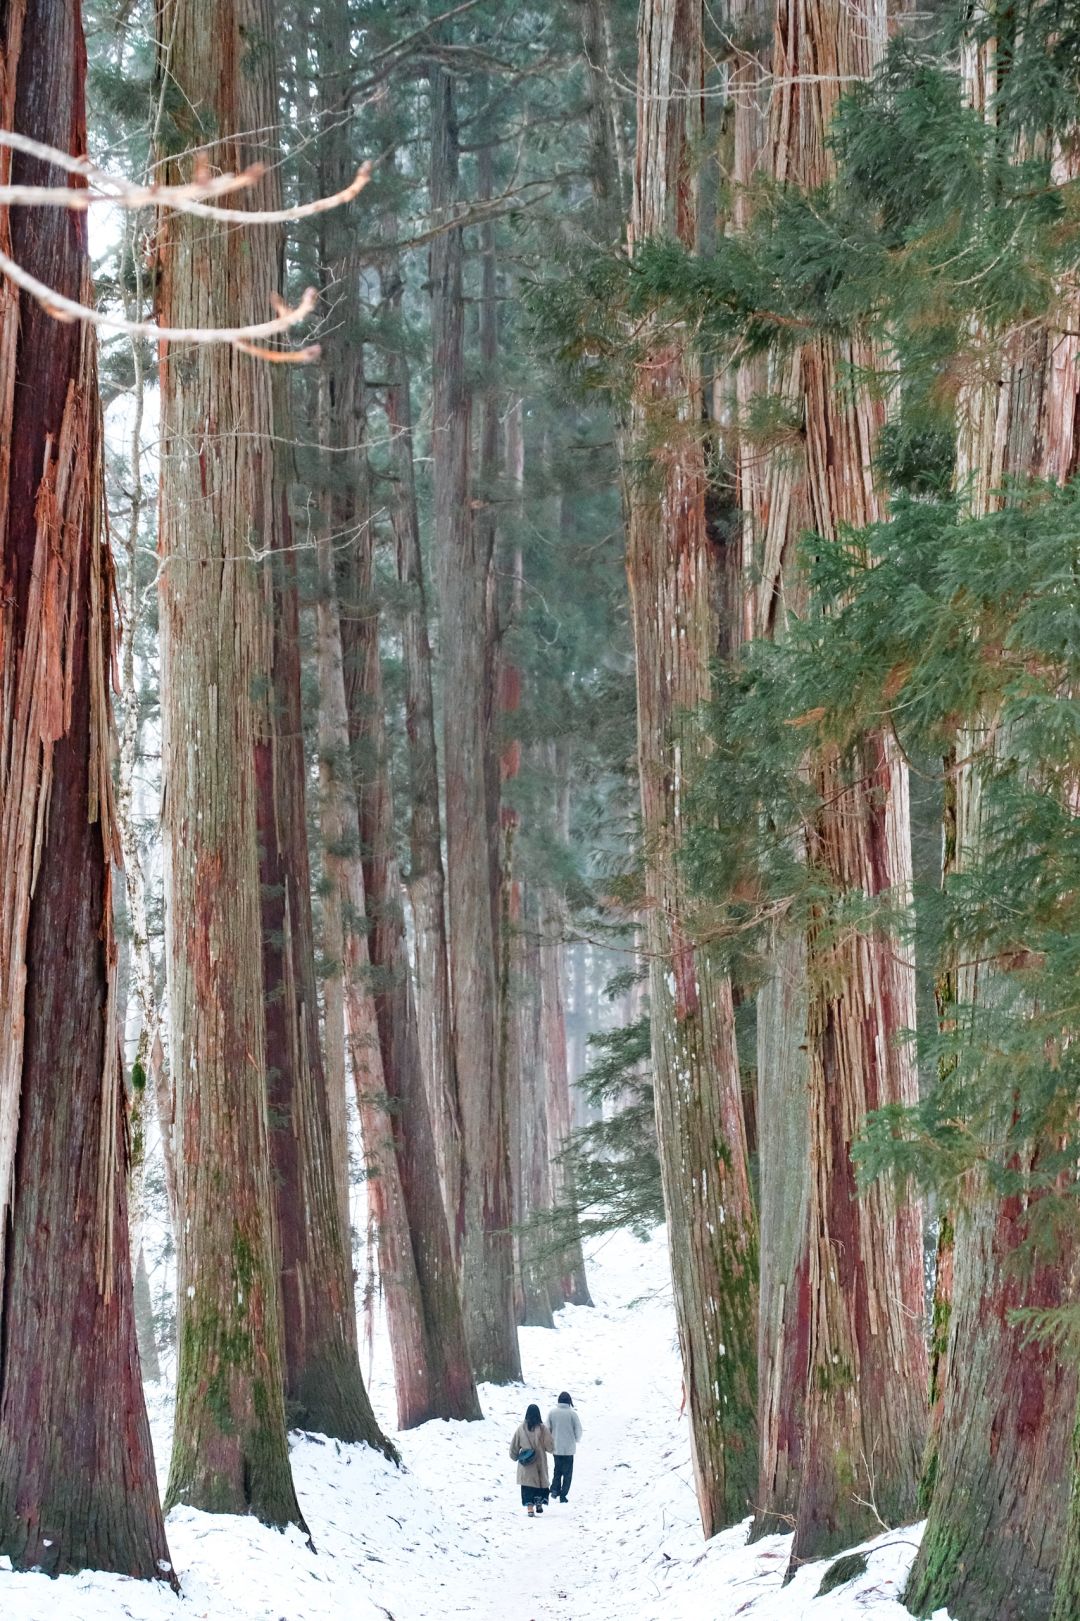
291	964
886	391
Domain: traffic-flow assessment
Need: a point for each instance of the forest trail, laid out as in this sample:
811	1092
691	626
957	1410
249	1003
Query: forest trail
619	1362
445	1538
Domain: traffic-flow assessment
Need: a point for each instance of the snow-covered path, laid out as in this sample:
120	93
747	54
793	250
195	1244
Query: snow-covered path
626	1388
445	1538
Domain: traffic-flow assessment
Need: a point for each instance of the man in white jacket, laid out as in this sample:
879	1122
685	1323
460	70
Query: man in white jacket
565	1427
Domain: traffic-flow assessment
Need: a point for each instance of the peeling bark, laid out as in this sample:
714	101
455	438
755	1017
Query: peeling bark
230	1453
671	566
771	497
999	1540
784	1178
77	1481
843	1315
867	1374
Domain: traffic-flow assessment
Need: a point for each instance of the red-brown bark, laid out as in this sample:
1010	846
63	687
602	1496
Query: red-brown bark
866	1373
346	923
450	1389
996	1526
427	880
999	1539
771	496
464	573
431	1364
856	1264
671	568
324	1387
230	1452
77	1482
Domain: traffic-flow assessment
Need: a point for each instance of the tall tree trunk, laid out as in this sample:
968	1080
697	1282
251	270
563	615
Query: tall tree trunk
347	910
324	1388
334	170
427	883
784	1181
501	686
514	1105
77	1483
431	1365
337	1084
608	166
865	1391
540	1292
711	1222
946	995
230	1453
452	1392
857	1263
464	567
771	497
575	1285
578	1032
998	1512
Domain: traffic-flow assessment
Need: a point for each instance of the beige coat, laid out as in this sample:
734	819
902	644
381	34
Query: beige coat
535	1472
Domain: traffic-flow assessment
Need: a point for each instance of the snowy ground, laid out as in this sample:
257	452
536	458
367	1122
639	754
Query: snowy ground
445	1537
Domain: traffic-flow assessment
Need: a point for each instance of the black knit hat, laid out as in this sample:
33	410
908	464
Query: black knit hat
565	1399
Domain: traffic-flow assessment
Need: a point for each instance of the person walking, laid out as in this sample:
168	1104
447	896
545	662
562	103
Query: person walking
529	1445
565	1427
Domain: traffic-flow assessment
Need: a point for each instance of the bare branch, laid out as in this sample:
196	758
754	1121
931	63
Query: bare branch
69	309
189	198
103	187
278	216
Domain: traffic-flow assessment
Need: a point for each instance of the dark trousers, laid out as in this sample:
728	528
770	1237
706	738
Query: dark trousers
563	1474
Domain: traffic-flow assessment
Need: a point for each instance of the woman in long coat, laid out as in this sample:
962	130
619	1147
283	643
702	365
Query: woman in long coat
529	1446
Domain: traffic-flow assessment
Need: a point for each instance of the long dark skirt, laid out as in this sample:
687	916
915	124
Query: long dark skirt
534	1494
